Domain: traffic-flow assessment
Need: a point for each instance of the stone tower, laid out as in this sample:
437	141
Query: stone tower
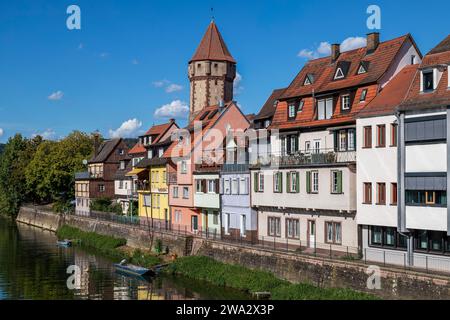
211	72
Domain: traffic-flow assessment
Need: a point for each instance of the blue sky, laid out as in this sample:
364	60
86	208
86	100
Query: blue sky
118	68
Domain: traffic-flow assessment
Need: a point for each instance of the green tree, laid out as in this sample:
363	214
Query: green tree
16	156
51	173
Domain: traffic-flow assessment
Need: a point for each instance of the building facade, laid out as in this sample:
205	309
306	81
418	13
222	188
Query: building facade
305	193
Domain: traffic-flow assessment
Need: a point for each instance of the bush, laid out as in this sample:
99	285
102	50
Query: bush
105	244
233	276
144	259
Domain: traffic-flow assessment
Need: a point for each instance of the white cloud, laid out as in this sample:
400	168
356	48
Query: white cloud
324	48
237	88
353	43
308	54
55	96
160	83
175	109
104	55
126	129
135	61
1	132
80	46
48	134
173	88
169	87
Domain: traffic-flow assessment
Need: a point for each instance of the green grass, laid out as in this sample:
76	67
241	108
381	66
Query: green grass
233	276
107	245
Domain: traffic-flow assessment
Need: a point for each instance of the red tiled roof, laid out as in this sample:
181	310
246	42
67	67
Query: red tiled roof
323	69
138	148
416	99
179	150
392	95
212	46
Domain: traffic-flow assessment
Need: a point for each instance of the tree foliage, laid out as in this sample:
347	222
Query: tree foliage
33	170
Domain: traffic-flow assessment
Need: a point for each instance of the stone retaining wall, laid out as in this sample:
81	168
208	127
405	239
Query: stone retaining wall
39	218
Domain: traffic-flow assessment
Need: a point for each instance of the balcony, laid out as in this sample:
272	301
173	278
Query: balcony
207	200
302	158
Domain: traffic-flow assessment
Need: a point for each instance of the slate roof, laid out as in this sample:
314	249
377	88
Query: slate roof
268	109
212	47
105	150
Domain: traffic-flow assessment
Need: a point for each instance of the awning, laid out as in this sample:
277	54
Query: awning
135	172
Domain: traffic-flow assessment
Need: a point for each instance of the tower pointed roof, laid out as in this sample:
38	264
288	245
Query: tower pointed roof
212	46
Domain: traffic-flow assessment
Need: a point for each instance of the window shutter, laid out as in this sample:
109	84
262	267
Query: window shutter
336	140
308	181
255	181
221	186
288	144
288	180
204	187
339	181
217	182
296	143
298	182
246	185
280	181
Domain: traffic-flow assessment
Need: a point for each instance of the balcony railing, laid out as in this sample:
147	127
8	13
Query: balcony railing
316	156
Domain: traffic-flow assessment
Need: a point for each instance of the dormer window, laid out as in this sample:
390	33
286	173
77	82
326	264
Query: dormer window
339	74
300	106
291	110
363	67
345	102
309	79
275	103
427	80
363	95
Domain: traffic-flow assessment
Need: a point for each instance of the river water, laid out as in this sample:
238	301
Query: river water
33	267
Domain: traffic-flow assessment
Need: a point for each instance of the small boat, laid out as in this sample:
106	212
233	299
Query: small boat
64	243
131	269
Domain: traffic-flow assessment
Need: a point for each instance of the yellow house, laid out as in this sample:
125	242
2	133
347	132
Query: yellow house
153	193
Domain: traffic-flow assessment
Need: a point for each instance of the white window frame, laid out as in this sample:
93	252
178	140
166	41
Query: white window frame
343	140
243	186
185	192
261	181
211	186
291	109
361	69
315	181
243	225
175	192
292	228
316	148
339	74
363	96
276	186
183	167
345	102
227	186
198	186
234	186
334	181
351	140
293	182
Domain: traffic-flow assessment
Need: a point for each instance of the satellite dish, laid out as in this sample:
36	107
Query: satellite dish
85	162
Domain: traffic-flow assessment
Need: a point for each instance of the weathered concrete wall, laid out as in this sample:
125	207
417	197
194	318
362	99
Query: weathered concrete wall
395	284
136	237
39	218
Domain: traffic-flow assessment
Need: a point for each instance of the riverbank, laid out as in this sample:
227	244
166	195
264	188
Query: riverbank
322	272
252	281
107	245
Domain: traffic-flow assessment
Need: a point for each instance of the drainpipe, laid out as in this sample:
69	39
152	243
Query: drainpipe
401	206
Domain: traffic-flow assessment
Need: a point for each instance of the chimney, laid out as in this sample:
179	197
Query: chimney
335	51
373	40
96	142
172	120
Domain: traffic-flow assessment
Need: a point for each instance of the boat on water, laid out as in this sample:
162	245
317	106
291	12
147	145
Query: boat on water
131	269
64	243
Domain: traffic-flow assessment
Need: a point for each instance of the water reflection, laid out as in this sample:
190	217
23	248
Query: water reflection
33	267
